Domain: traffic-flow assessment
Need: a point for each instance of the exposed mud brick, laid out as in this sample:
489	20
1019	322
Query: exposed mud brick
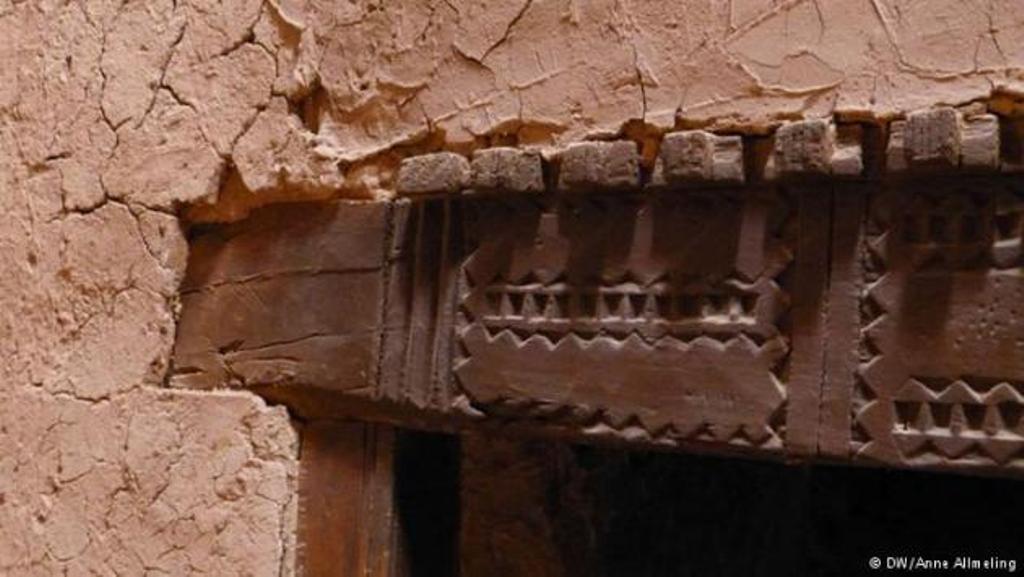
979	146
595	166
848	154
699	157
941	383
430	174
804	147
896	148
506	170
291	295
727	160
932	138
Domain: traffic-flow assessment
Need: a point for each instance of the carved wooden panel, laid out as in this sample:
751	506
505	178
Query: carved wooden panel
664	317
419	305
941	381
879	321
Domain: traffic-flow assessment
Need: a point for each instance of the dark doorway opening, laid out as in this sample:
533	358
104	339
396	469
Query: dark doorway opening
491	506
427	500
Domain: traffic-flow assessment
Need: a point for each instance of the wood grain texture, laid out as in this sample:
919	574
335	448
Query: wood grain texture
348	524
842	332
291	295
798	319
809	321
653	317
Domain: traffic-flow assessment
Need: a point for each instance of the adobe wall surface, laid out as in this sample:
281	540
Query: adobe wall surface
119	118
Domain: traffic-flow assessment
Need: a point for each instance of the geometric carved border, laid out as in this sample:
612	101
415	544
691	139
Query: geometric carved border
943	337
773	320
663	317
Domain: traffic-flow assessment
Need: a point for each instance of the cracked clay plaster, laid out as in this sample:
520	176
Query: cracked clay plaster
367	81
112	116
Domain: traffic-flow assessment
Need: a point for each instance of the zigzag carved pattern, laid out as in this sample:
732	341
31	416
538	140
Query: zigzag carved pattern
597	421
555	303
530	316
872	313
752	430
654	311
958	418
960	229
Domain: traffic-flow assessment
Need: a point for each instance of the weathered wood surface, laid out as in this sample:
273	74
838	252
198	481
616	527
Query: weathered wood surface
348	522
291	295
665	318
804	314
941	382
653	318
